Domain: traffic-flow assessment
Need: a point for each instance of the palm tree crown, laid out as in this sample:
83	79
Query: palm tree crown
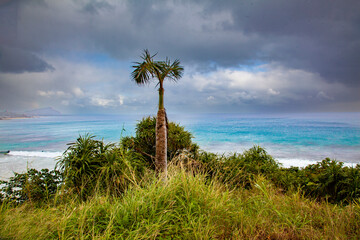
149	69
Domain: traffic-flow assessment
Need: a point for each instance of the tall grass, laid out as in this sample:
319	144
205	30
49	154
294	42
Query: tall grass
108	191
187	206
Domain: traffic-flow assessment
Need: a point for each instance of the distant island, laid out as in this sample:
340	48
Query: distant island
49	111
10	115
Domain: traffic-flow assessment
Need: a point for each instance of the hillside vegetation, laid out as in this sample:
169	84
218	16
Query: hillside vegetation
111	191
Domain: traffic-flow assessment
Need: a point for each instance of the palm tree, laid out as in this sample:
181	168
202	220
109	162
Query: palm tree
161	70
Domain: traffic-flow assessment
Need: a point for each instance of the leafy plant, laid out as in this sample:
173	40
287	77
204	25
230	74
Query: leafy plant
89	165
327	179
81	162
33	186
144	141
239	169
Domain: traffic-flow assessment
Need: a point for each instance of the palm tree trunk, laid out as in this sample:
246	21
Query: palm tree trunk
161	143
161	137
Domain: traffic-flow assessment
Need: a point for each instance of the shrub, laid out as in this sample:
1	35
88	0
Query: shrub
33	186
81	162
89	165
327	179
350	185
144	141
239	169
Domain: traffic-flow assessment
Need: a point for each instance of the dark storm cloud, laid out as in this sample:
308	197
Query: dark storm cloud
320	39
8	21
318	36
14	60
94	7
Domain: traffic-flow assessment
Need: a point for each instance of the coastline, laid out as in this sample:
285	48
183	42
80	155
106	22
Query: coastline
291	140
13	118
20	161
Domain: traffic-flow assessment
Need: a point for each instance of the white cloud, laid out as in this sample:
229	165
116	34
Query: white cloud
265	86
78	92
323	96
65	102
120	99
273	92
107	102
82	86
102	102
210	98
52	94
272	87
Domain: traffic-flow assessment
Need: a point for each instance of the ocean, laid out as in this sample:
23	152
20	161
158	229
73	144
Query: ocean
292	139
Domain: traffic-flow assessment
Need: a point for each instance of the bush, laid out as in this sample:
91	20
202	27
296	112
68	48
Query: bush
89	165
144	141
33	186
325	180
188	206
329	180
239	170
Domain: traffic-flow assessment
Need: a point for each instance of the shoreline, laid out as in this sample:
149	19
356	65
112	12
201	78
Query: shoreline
13	118
19	161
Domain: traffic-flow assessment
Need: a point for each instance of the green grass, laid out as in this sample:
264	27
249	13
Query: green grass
109	191
188	206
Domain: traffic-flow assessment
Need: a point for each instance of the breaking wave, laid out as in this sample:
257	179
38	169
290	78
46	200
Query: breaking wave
35	154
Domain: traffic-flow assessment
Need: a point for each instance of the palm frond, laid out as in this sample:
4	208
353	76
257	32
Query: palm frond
143	71
173	71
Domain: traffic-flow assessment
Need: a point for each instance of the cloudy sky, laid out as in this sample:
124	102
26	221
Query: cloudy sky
239	55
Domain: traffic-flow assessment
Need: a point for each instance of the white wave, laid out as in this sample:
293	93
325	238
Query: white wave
293	162
35	154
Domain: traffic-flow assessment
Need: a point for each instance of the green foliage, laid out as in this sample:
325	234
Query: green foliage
33	186
350	184
89	165
324	179
144	71
144	141
120	168
188	206
81	162
148	69
327	179
239	169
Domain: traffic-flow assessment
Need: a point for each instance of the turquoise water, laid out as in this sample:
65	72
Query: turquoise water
53	133
293	139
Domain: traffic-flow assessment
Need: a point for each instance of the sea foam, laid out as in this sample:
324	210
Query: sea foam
35	154
291	162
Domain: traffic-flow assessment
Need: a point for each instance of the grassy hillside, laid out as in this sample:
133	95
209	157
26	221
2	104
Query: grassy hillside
188	206
111	191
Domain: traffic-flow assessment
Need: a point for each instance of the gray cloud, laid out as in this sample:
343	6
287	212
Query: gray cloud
318	38
95	7
14	60
13	57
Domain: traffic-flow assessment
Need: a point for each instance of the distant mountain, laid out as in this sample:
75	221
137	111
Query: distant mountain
49	111
10	115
